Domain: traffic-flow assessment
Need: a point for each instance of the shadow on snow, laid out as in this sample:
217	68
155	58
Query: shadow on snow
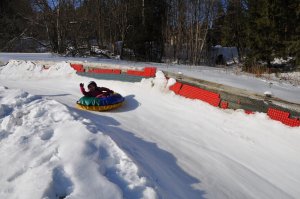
157	165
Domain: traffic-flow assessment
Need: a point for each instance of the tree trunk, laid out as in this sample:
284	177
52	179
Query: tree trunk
58	29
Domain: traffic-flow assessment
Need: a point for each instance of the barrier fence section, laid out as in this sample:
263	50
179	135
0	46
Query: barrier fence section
146	72
214	99
191	92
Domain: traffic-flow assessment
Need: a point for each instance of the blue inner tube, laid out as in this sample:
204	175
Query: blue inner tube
103	101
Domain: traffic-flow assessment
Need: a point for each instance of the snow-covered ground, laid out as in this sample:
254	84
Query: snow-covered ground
285	86
48	151
157	145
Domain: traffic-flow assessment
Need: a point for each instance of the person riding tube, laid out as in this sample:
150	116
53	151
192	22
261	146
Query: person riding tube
95	91
98	98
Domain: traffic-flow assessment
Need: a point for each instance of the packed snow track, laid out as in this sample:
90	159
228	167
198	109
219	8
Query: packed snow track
157	145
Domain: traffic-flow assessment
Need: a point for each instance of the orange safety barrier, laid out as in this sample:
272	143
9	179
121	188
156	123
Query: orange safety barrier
291	122
249	112
117	71
78	67
146	72
104	71
212	98
224	105
135	72
276	114
193	92
149	71
283	117
176	87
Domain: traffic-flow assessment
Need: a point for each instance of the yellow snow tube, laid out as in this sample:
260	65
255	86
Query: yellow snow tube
100	104
98	108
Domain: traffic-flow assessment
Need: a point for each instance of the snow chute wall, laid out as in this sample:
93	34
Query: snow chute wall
209	93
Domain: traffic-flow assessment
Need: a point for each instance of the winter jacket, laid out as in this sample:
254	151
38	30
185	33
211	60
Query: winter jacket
98	92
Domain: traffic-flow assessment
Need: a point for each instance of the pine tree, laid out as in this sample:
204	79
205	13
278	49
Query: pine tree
273	30
286	19
147	19
235	26
13	23
262	34
215	33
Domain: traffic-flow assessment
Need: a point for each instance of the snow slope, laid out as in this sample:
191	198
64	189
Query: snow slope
48	152
157	145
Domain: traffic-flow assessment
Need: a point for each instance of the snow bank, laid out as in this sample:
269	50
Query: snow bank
27	70
46	152
281	60
186	148
159	83
289	77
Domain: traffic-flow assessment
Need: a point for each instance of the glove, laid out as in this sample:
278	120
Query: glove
81	84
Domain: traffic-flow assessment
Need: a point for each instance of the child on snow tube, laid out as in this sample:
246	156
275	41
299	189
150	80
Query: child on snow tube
98	98
95	91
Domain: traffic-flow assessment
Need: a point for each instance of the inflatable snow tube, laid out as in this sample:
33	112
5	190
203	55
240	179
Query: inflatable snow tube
100	104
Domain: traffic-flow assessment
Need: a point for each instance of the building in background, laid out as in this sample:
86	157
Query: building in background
224	55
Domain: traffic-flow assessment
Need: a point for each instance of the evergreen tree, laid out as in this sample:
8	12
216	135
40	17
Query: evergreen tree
146	34
273	30
13	23
215	35
286	19
234	31
262	34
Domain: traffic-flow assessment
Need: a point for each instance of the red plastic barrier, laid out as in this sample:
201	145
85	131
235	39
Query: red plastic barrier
197	93
193	92
276	114
78	67
117	71
149	71
224	105
249	112
104	71
291	122
99	70
135	72
212	98
176	87
153	71
283	117
214	102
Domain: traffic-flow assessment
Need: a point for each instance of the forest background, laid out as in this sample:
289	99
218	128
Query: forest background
181	31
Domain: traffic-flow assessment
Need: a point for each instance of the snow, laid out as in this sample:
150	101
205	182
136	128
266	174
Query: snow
27	69
292	78
157	145
268	93
47	152
281	60
286	86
